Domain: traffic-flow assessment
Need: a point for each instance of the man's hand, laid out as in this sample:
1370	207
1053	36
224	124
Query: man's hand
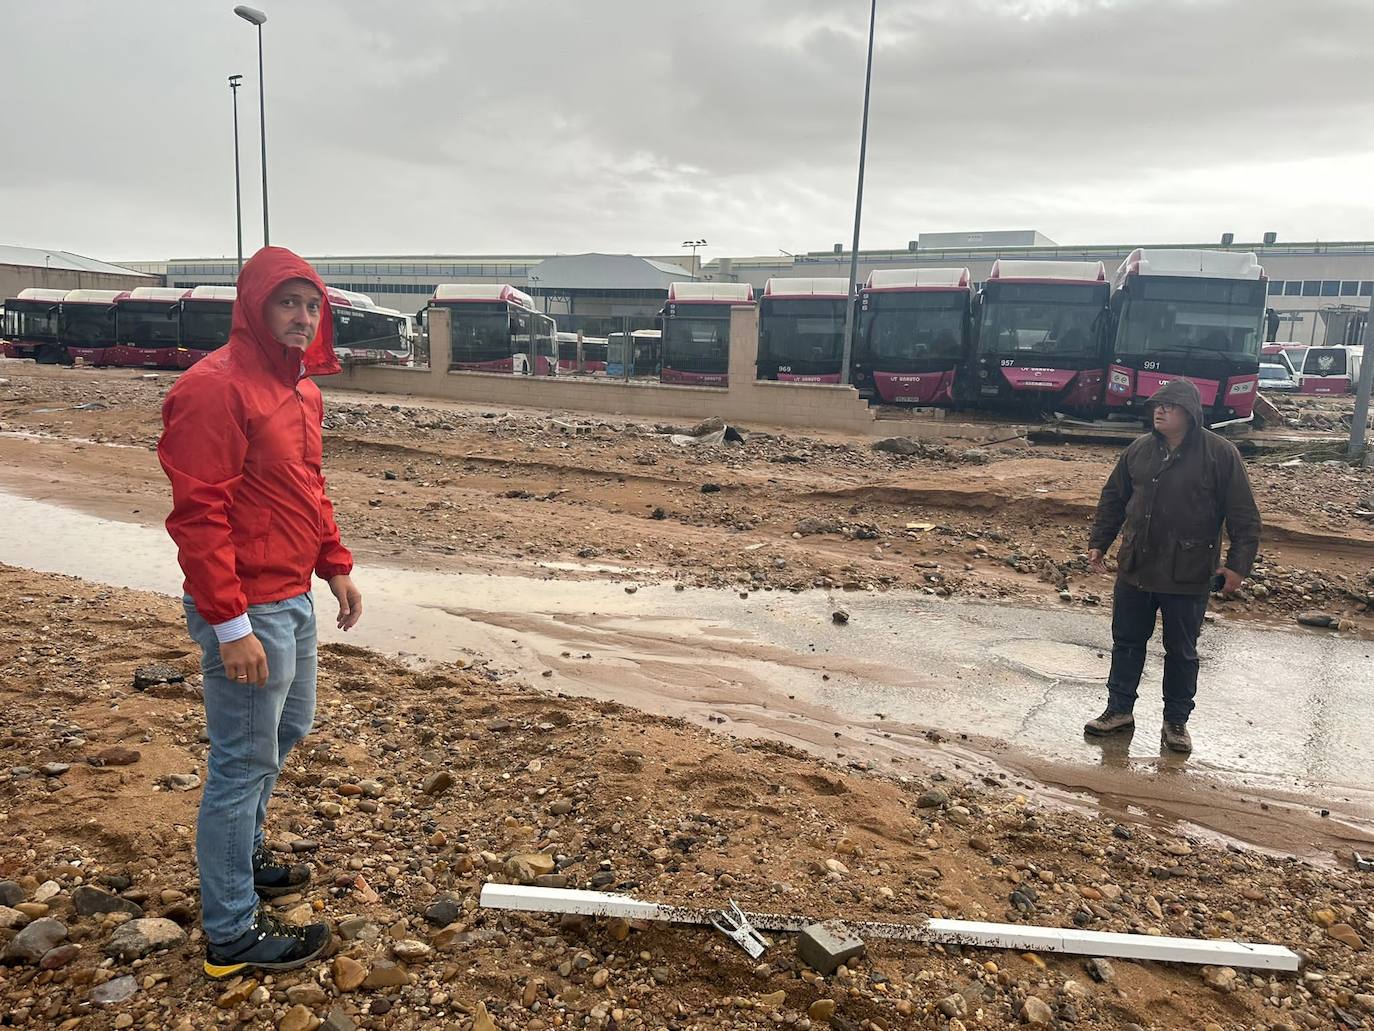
1233	580
244	661
1095	561
350	600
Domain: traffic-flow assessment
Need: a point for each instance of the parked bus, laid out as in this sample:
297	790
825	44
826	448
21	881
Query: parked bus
591	359
30	328
1330	370
801	329
365	333
1192	314
695	346
147	329
914	334
495	328
86	324
207	314
646	344
1038	336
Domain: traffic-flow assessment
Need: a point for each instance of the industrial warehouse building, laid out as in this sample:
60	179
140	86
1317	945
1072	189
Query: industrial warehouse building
22	268
1308	282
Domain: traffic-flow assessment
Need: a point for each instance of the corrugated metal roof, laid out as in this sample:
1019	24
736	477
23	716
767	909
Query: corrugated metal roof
603	272
67	261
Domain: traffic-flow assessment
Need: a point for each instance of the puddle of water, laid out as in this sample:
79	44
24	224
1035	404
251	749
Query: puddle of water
1277	711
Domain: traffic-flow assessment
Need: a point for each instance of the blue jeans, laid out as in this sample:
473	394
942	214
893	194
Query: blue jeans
252	730
1133	624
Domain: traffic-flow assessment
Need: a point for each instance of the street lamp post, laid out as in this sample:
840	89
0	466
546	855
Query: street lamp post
858	204
694	244
256	17
235	81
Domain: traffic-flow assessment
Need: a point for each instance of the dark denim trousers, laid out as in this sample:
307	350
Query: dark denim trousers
1133	624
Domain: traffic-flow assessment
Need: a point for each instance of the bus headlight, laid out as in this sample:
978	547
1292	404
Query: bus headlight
1120	381
1242	388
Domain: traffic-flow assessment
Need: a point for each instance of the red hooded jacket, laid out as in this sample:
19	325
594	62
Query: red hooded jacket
241	445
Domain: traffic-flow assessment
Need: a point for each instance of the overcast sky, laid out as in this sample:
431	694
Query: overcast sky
482	126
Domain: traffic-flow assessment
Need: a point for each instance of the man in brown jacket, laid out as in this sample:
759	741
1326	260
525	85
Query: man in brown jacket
1168	497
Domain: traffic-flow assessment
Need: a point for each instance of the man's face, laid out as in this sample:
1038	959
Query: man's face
293	313
1171	420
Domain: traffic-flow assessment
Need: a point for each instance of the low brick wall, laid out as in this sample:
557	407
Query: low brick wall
745	401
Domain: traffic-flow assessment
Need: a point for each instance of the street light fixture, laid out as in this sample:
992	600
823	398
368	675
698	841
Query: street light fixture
255	17
858	204
694	244
235	81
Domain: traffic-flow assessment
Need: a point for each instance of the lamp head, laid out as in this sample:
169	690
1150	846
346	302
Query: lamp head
250	14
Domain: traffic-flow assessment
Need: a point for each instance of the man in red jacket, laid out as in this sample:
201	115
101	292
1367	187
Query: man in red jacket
251	520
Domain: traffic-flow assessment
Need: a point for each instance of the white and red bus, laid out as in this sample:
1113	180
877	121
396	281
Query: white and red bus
147	329
365	333
695	327
801	329
30	328
1192	314
495	328
1039	330
207	314
578	352
86	323
914	333
1330	370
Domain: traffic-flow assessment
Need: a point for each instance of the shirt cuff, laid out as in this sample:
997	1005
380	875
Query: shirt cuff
233	629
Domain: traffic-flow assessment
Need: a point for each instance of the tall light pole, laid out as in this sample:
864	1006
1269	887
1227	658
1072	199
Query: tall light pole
858	205
256	17
694	244
235	81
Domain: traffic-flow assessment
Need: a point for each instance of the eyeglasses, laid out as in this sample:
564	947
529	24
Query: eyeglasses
1166	407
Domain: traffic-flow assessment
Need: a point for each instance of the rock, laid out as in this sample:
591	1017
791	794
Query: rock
139	938
772	1000
385	974
953	1005
89	901
118	755
481	1019
821	1009
304	845
933	799
112	992
824	946
54	769
307	993
1101	970
898	446
1343	933
156	673
55	959
710	488
437	783
47	891
444	910
840	617
32	910
527	866
11	893
1036	1012
1317	619
338	1020
183	781
30	944
410	950
1222	979
237	993
835	866
12	919
298	1018
348	974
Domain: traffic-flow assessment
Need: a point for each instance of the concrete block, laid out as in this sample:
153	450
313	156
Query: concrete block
823	947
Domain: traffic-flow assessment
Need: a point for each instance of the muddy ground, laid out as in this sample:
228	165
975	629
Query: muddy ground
969	514
419	786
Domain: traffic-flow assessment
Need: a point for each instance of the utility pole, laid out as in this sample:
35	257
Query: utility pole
1360	423
235	81
858	204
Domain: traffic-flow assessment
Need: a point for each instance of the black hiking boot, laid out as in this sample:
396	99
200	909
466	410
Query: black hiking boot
1175	738
272	880
268	945
1109	723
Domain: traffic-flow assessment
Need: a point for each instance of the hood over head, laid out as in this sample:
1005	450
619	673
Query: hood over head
1183	393
263	273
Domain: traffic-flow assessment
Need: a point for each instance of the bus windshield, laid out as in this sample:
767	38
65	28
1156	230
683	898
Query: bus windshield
146	323
804	331
696	344
916	325
29	321
1217	316
1041	319
87	324
1326	361
480	334
361	330
206	326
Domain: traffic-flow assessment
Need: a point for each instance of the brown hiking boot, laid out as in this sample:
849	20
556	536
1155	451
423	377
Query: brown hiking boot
1175	738
1109	723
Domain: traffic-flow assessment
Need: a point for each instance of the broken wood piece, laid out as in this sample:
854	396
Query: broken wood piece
966	933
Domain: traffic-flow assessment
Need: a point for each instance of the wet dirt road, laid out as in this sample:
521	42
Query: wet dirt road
1282	730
